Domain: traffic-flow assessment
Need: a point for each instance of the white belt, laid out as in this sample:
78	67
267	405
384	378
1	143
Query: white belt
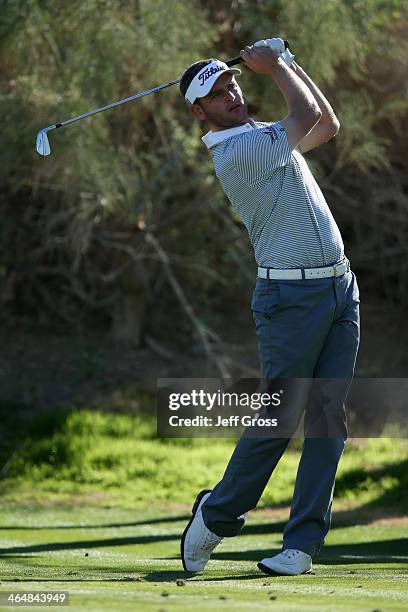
305	273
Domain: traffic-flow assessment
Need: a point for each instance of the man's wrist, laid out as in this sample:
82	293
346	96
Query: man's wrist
279	64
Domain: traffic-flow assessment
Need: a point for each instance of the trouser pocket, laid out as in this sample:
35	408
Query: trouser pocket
266	298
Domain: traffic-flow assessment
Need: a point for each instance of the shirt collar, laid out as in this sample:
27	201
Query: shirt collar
212	138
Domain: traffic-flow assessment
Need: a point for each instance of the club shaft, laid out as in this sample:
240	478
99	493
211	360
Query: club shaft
232	62
118	103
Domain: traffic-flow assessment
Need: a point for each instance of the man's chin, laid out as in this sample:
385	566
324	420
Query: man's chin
240	119
233	119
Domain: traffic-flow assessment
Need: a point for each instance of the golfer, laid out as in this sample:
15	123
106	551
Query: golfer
305	303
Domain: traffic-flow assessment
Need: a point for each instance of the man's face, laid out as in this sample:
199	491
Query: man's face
224	106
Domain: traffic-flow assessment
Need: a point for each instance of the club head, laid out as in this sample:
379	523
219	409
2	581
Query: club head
42	144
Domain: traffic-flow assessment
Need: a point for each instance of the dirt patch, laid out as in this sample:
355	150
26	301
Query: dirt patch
280	513
369	516
392	521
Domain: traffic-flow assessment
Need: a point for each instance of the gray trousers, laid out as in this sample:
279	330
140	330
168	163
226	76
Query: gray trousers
306	329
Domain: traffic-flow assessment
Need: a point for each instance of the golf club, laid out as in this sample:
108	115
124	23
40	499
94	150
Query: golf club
42	142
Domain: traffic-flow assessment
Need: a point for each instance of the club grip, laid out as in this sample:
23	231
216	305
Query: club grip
234	61
238	60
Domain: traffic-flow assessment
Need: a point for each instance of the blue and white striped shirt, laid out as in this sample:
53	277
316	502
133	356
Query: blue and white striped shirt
276	197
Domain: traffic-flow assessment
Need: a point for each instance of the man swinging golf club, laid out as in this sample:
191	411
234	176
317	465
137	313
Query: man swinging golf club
305	303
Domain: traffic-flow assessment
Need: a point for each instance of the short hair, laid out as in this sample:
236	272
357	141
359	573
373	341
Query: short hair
190	73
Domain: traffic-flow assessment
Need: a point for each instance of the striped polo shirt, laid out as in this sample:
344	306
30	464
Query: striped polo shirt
276	196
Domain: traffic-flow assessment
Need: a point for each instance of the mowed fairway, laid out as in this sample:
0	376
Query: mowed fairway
113	559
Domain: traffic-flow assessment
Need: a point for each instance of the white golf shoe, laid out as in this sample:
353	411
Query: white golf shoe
197	542
289	562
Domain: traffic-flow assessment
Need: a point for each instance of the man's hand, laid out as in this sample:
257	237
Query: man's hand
304	112
277	44
262	60
273	43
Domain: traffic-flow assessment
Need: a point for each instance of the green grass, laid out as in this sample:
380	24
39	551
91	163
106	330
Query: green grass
115	559
94	504
117	458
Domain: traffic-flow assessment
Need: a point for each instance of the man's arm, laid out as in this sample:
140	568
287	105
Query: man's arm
328	124
304	111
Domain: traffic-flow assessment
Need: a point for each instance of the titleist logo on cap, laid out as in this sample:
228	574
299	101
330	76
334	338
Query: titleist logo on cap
201	84
209	72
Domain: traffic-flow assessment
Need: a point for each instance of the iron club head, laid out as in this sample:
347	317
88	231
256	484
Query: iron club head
42	144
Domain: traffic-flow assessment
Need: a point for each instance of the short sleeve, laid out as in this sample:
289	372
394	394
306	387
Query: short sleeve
261	151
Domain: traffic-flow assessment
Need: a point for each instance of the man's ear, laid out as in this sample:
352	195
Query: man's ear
198	112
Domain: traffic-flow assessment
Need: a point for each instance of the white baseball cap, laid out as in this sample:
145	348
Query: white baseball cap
203	81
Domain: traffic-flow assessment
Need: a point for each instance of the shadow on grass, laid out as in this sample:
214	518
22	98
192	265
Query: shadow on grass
78	578
384	551
358	516
361	479
168	519
23	556
256	576
171	576
54	546
266	528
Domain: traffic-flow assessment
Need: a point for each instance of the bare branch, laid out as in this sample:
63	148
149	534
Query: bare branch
201	329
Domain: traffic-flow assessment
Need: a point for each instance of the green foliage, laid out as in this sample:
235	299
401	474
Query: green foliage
346	46
85	452
90	451
353	145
